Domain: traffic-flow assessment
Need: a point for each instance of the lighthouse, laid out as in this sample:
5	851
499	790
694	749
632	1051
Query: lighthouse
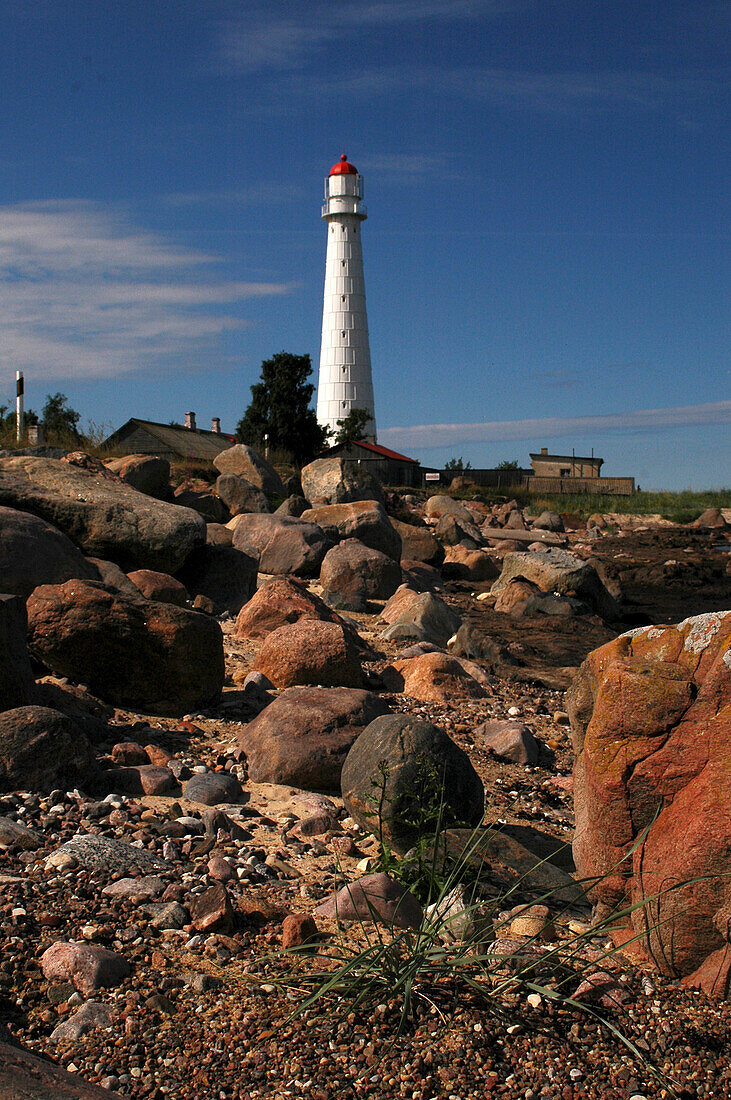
344	381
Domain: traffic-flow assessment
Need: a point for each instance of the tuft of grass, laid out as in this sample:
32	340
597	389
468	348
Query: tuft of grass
463	951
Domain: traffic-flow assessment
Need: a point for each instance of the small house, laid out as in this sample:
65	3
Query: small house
170	441
388	467
546	465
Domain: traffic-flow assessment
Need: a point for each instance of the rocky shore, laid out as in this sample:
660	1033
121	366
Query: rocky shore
193	714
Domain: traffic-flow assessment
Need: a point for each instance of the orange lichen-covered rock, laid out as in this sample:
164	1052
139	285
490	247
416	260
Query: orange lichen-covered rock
651	725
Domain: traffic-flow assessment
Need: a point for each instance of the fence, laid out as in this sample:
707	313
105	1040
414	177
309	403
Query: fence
609	486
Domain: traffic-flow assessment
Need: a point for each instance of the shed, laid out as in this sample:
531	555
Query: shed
387	466
146	437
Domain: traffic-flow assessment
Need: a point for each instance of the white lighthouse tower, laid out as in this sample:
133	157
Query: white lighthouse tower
344	381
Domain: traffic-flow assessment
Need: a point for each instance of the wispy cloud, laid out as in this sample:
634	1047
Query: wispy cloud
432	436
260	194
83	293
266	40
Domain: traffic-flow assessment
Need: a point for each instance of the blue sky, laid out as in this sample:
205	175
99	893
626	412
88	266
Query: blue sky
546	254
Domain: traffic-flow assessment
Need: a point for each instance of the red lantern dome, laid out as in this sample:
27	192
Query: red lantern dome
343	168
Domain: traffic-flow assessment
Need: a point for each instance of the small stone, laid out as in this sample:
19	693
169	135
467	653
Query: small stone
220	870
298	929
87	967
212	910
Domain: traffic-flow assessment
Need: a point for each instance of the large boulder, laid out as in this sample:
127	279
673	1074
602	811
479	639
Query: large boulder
248	463
651	726
453	530
159	586
461	564
147	473
303	737
364	520
432	678
562	572
42	750
352	574
337	481
279	601
225	575
26	1076
102	515
411	775
135	653
310	652
33	552
418	543
420	616
281	544
438	506
239	495
17	684
202	501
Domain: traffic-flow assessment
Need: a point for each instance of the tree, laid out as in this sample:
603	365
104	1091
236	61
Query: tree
508	464
58	420
280	409
458	465
7	423
352	427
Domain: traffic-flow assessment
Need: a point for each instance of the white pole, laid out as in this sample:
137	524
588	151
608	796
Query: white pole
19	406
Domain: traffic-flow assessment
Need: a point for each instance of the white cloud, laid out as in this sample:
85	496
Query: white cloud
85	294
432	436
258	40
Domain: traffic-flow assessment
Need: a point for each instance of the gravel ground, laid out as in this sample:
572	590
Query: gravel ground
204	1016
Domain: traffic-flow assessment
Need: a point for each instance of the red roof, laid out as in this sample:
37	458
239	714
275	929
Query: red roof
343	168
384	451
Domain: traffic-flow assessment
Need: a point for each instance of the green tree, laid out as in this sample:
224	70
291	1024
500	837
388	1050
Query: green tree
457	465
7	423
280	409
59	421
352	427
508	464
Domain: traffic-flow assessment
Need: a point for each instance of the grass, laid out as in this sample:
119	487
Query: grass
462	952
682	507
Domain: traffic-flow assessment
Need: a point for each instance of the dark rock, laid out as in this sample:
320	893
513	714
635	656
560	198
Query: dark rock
298	929
281	544
418	543
225	575
25	1076
137	653
303	737
205	503
239	495
212	911
85	965
352	574
248	463
338	481
17	684
279	601
148	474
111	576
213	788
159	586
365	520
512	741
424	769
309	652
42	750
103	516
34	552
293	506
374	898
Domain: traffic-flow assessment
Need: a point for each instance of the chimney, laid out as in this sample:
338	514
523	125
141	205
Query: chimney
544	450
190	421
216	425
